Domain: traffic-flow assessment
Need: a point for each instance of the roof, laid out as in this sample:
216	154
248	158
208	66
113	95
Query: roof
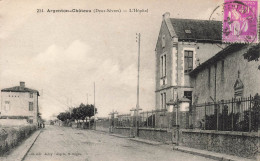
220	55
19	89
190	29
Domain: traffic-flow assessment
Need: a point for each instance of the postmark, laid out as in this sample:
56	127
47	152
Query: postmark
240	21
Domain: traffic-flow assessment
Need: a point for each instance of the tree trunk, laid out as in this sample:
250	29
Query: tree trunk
89	123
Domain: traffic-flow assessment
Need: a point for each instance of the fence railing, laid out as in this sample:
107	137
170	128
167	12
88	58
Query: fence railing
241	114
123	120
147	119
151	119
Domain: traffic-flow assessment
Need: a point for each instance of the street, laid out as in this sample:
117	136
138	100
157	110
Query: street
62	143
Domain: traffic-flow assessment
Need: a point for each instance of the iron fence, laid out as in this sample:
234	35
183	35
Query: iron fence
147	119
123	120
241	114
151	119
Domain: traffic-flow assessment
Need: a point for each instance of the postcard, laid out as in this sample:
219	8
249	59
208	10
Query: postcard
114	80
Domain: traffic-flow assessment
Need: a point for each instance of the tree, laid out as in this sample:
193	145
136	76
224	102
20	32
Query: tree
75	114
78	113
84	111
256	113
61	116
253	53
90	111
64	116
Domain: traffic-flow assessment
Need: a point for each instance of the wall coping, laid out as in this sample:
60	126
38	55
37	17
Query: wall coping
238	133
147	129
153	129
123	127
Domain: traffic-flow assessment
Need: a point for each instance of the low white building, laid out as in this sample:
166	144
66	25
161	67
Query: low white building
19	103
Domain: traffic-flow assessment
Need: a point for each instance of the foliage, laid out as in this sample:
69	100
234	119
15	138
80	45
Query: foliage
78	113
241	121
63	116
253	54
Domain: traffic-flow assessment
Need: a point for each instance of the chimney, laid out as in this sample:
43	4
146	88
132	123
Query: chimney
22	85
166	15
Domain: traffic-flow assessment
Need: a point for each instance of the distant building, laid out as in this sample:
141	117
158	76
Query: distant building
182	45
20	102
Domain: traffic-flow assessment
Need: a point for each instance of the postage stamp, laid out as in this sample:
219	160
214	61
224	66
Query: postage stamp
240	21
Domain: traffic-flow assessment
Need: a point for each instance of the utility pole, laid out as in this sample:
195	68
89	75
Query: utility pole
138	75
177	121
94	107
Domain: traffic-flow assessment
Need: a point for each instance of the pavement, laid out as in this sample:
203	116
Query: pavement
67	144
150	142
18	153
203	153
56	143
119	136
210	154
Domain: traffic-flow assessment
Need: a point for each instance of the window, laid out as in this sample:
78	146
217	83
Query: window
164	107
30	106
30	121
209	70
163	100
163	65
222	70
31	95
188	94
7	105
163	41
188	61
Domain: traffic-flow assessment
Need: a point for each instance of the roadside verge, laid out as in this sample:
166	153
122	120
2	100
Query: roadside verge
21	151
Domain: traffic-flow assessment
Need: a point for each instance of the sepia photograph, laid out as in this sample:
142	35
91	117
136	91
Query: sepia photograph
140	80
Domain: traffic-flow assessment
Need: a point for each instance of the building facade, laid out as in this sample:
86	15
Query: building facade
182	45
20	102
225	76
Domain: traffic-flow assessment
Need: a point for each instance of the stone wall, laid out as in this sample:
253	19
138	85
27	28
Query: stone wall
161	135
103	125
12	136
240	144
154	134
125	131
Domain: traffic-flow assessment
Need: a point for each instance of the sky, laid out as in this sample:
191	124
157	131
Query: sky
62	54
